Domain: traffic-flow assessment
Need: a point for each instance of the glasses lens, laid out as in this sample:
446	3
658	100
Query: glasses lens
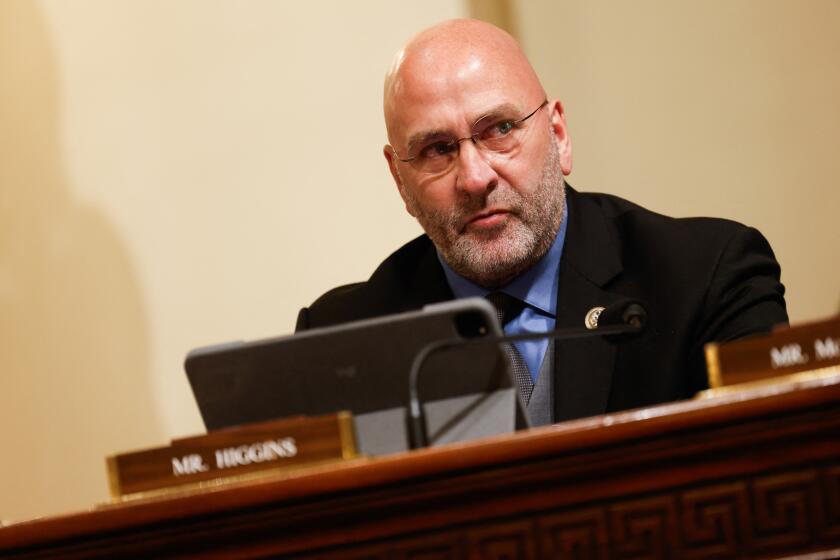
434	157
500	144
497	136
501	136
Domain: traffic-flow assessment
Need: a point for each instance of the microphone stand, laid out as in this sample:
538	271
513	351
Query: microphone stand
416	417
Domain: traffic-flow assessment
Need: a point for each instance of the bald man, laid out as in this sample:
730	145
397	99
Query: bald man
478	154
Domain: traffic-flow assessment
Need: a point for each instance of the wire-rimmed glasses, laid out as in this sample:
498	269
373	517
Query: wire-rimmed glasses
438	152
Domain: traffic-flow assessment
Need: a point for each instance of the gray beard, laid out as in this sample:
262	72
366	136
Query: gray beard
493	258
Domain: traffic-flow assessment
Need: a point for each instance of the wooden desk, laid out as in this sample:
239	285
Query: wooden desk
753	475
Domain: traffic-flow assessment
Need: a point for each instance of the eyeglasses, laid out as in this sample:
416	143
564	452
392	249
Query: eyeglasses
498	135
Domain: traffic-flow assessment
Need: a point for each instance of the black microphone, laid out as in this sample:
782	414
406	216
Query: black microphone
615	321
628	313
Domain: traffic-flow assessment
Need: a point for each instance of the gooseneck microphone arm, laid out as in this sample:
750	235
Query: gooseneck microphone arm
626	318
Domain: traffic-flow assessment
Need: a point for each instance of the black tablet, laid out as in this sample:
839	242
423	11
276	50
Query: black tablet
364	367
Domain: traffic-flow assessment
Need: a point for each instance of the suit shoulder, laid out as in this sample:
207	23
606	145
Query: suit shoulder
630	217
339	293
376	296
403	260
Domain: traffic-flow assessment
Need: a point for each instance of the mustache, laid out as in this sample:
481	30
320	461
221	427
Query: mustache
504	197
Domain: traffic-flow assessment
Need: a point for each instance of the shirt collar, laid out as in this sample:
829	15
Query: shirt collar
537	286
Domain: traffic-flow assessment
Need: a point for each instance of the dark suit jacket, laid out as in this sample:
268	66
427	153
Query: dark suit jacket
700	279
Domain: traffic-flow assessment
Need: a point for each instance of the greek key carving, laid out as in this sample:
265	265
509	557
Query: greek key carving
758	516
645	528
713	520
580	534
509	541
831	493
784	509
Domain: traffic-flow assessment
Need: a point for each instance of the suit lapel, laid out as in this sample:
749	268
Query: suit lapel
591	258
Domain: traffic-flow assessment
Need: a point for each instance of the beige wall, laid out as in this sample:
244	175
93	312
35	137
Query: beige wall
723	108
174	174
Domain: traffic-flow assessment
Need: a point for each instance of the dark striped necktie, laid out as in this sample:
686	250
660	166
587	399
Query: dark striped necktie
507	308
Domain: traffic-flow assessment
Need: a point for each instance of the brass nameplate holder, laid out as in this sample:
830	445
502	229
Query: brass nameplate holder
233	454
786	354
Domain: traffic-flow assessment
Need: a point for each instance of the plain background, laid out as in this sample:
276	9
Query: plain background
180	173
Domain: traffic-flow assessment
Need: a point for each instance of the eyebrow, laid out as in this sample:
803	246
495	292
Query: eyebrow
423	137
503	109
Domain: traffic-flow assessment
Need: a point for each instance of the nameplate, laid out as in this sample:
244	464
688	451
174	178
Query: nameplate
233	454
788	350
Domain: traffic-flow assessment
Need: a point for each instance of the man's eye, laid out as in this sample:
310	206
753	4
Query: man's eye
497	130
436	150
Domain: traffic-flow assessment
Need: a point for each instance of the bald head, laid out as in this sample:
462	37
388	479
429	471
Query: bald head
444	62
493	206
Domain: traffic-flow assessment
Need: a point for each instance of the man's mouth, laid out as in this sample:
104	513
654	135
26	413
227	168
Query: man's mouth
488	219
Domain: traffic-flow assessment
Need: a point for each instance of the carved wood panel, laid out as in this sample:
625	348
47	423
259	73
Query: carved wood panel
713	520
830	484
763	516
507	541
580	533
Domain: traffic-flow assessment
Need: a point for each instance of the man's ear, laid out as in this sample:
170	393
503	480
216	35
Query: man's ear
561	133
390	157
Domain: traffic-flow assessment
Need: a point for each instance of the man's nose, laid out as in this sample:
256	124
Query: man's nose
475	175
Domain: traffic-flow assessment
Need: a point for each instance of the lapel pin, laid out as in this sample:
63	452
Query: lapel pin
591	319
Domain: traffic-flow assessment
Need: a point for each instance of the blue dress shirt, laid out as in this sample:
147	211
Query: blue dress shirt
537	287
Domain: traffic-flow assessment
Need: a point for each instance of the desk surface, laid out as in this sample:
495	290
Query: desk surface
751	474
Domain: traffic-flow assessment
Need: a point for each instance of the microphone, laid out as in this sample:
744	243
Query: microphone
618	320
625	313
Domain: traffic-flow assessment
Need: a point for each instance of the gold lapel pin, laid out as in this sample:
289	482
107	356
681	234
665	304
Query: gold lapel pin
591	319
